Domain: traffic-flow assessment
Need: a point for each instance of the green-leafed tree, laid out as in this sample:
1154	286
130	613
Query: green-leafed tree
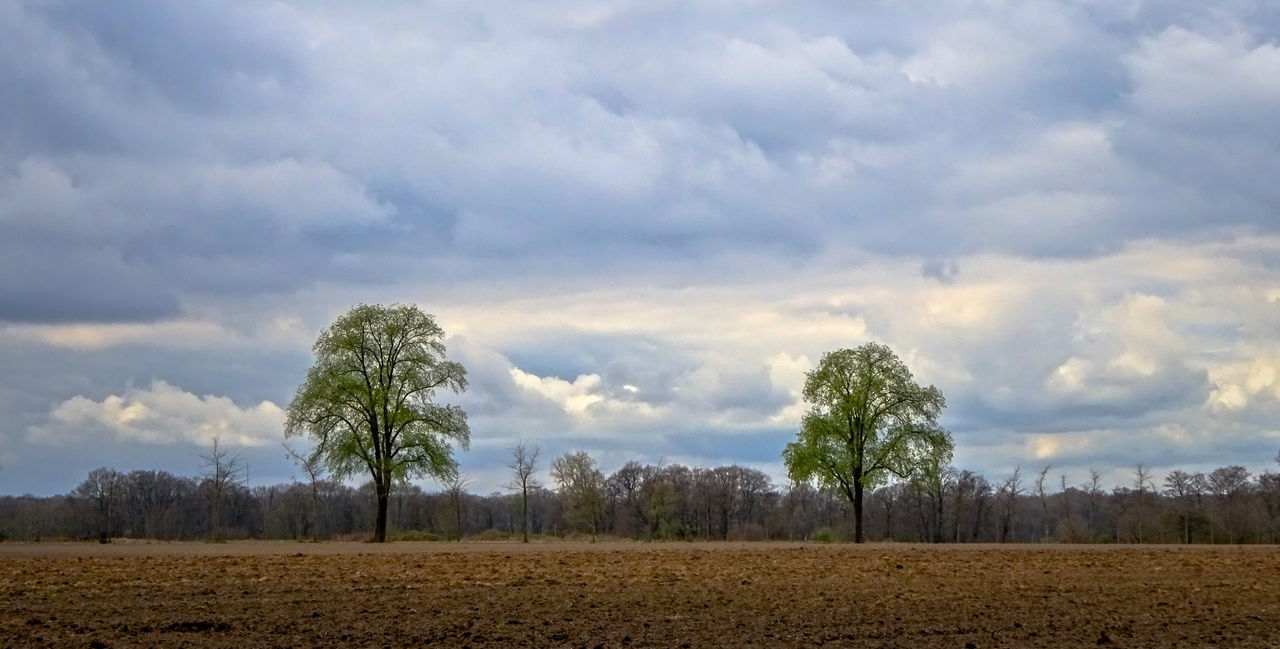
369	400
868	419
581	490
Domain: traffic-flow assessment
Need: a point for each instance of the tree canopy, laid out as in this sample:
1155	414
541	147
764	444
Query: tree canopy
581	489
369	400
868	420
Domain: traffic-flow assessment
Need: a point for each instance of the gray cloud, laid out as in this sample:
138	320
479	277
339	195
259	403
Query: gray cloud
64	283
943	270
780	132
708	193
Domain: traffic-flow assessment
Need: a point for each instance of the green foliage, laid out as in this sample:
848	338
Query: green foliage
827	535
662	507
368	402
868	419
581	490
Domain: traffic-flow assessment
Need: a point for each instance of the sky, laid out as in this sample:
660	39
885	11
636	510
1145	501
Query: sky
640	222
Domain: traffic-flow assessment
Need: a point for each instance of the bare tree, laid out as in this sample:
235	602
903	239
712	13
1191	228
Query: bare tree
102	487
456	489
963	486
723	494
929	485
313	465
982	493
1068	524
624	487
1230	484
1042	495
891	498
1007	496
223	467
1180	486
671	501
1269	491
523	463
1093	488
1142	484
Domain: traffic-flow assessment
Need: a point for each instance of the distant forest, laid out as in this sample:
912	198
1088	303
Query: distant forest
1227	505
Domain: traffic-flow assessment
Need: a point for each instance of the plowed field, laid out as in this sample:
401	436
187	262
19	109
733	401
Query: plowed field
636	595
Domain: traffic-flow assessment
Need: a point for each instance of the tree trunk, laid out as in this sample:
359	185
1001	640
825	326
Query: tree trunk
315	512
380	527
217	514
524	513
955	519
888	521
857	509
457	515
977	521
938	521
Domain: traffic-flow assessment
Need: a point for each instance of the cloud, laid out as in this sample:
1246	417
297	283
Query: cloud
943	270
1199	117
161	414
777	133
575	398
643	222
169	333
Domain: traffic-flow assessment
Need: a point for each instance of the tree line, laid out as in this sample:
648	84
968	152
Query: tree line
669	502
369	404
870	460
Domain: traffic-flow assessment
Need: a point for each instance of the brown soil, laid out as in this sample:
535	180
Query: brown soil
636	595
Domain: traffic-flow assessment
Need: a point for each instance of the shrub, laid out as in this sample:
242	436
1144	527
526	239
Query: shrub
826	535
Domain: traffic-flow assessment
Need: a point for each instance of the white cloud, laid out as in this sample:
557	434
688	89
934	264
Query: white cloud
651	217
575	398
1071	375
160	414
1249	378
1200	79
172	333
